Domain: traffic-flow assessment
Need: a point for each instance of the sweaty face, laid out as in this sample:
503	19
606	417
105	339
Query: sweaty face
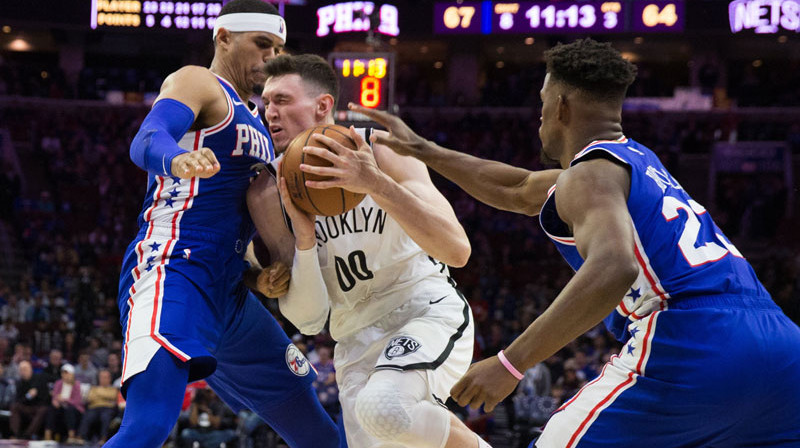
550	151
290	108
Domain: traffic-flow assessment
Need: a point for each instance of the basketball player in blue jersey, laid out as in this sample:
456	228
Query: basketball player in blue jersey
404	334
709	360
185	312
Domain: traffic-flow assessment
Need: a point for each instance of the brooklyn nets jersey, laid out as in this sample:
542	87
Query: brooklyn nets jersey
371	266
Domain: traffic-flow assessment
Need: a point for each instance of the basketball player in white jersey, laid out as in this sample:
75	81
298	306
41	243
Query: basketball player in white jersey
404	333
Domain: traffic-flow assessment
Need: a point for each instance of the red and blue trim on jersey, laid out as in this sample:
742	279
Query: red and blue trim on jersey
181	217
673	276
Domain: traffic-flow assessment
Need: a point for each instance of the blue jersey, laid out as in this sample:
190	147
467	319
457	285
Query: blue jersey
216	204
680	250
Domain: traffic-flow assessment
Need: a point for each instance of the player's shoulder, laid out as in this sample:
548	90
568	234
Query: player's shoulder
195	86
597	174
194	75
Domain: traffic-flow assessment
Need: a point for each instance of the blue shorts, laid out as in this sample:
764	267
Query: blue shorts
185	295
710	372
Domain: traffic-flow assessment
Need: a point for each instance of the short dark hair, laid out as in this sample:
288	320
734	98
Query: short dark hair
311	68
593	67
235	6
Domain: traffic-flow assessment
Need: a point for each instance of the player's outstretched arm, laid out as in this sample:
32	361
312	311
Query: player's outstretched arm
189	96
592	200
401	186
494	183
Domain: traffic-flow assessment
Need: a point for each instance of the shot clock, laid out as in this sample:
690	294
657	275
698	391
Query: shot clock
364	78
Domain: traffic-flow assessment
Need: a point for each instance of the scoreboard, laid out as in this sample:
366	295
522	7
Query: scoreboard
364	78
568	16
182	15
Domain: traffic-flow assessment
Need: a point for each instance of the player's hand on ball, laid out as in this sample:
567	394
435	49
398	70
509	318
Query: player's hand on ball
302	222
399	137
202	164
355	171
486	382
273	281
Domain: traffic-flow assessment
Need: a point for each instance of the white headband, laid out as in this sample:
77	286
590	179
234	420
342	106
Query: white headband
252	21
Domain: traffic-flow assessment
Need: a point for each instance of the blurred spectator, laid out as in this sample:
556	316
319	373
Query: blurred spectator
8	329
52	370
66	406
101	406
325	384
572	379
85	371
211	423
114	366
30	404
532	389
98	352
8	390
22	352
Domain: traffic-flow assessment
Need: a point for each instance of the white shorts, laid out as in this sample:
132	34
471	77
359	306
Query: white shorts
430	337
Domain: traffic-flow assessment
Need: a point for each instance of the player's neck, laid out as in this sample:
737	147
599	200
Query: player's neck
220	68
588	133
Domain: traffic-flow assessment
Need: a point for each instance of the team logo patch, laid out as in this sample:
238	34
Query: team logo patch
296	361
401	346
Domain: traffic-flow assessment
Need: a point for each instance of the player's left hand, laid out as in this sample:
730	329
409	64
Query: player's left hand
355	171
486	382
273	281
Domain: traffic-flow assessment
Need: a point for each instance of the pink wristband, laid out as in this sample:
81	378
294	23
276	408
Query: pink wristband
504	361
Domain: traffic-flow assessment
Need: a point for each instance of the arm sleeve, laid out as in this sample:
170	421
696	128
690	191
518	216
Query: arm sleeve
156	143
306	304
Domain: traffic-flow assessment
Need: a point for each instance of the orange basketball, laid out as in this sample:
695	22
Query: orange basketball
325	202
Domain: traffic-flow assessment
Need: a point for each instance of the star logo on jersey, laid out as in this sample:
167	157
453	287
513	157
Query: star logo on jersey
296	361
634	331
154	247
631	348
401	346
634	294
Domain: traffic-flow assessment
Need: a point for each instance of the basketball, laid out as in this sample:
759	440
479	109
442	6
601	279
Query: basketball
325	202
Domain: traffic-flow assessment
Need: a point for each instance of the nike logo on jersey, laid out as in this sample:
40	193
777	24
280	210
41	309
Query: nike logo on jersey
437	301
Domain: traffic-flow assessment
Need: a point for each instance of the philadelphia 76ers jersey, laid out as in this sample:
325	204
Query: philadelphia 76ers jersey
216	204
680	250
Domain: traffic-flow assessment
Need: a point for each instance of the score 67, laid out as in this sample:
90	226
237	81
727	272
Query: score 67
458	16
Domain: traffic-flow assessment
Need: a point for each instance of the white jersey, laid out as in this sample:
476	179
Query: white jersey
371	267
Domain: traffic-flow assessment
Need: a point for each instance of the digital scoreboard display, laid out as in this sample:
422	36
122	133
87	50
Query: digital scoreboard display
188	15
364	78
543	16
568	16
